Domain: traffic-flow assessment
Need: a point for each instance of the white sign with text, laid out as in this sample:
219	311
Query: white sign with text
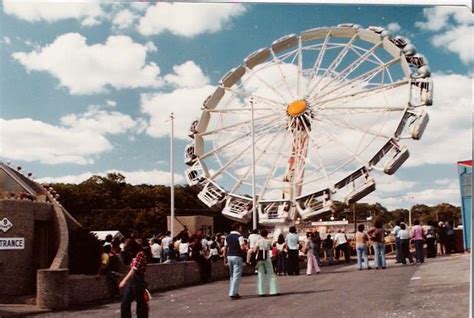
12	243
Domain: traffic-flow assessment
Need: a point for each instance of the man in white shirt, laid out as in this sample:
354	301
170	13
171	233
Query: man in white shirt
395	232
292	242
341	245
252	240
165	244
205	243
156	251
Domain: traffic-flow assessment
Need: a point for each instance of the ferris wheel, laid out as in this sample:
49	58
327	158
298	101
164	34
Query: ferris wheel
319	115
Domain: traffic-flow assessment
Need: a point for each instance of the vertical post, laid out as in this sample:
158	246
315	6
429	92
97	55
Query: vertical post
254	199
409	211
409	218
172	174
355	217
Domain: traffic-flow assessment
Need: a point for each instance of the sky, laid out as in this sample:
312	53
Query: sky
87	88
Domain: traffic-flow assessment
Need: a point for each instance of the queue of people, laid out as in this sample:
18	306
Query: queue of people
435	236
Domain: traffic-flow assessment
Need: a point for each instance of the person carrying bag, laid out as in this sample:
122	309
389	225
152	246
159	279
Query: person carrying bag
265	274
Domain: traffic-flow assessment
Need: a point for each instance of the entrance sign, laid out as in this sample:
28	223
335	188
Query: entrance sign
12	243
5	225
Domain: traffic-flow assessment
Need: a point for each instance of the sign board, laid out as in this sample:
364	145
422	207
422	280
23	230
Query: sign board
5	225
12	243
320	223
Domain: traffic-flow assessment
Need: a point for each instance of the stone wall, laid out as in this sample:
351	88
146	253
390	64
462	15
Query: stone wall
86	289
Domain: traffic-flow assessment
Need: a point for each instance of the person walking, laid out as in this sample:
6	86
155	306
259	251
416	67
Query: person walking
312	265
134	284
417	234
233	257
282	261
362	239
404	235
265	274
376	235
328	246
395	231
317	248
292	242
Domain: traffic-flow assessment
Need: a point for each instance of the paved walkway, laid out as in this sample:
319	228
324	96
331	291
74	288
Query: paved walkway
438	288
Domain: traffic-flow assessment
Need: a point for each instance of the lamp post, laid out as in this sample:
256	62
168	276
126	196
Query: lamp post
172	174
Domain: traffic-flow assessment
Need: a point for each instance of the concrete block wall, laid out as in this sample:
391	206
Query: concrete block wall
86	289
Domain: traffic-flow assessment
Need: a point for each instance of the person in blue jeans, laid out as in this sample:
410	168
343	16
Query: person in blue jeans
395	231
361	239
134	284
233	257
378	241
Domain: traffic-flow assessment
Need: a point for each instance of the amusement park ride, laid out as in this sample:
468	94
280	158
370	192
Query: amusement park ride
332	106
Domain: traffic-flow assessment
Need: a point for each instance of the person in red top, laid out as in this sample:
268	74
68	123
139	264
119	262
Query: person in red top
134	284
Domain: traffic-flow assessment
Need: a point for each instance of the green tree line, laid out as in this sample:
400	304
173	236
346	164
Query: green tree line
110	203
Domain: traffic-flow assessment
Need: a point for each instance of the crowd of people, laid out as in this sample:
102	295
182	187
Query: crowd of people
270	256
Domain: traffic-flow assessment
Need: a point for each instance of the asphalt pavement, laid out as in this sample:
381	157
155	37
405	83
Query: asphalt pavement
437	288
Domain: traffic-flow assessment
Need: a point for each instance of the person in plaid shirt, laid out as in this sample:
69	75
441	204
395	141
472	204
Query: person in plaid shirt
134	284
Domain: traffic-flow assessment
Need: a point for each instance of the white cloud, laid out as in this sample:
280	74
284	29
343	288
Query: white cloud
438	17
88	13
188	19
6	40
448	136
444	181
31	140
455	27
124	19
87	69
139	6
111	103
99	121
79	140
185	103
152	177
393	184
187	75
394	27
438	193
457	40
449	193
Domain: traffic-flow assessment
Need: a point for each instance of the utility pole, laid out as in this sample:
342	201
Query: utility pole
172	174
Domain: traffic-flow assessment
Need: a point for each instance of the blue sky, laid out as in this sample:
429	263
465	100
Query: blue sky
87	88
